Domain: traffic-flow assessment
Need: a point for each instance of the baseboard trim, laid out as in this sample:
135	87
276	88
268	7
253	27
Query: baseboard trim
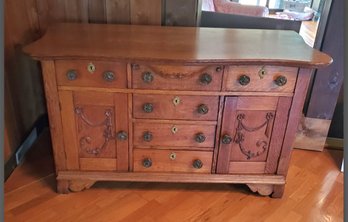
17	156
334	143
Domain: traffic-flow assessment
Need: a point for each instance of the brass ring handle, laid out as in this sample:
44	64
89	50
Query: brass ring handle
148	107
71	74
280	80
198	164
226	139
205	78
109	76
147	136
200	138
202	109
147	77
244	80
147	162
122	135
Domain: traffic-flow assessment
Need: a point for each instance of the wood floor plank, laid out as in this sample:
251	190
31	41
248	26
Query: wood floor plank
314	192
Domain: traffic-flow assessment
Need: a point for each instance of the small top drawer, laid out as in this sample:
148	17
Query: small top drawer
176	77
94	74
260	79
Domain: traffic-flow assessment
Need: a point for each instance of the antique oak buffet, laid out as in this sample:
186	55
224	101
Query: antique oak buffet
173	104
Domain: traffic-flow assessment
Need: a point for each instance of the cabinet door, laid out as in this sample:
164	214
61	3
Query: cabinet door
95	130
252	134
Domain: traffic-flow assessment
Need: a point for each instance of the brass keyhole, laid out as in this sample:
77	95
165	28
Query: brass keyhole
172	156
262	72
174	129
91	67
176	101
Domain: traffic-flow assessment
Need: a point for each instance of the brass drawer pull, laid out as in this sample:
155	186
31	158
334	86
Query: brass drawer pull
205	79
71	75
200	138
147	136
148	77
122	135
147	162
197	164
148	107
244	80
280	80
109	76
226	139
203	109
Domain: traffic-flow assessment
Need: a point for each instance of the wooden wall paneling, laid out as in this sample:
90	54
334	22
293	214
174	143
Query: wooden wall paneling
146	12
12	134
23	82
118	11
76	10
50	11
181	12
96	11
7	147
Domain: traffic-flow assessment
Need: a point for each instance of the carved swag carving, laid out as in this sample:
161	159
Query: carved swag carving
107	134
240	137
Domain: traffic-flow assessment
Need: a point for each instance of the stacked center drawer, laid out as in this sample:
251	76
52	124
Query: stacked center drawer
174	132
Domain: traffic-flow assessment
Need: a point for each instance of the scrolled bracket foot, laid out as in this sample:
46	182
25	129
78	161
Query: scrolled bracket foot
262	189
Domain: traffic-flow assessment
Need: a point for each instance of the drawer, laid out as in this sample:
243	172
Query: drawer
171	134
175	77
175	107
172	161
258	78
91	74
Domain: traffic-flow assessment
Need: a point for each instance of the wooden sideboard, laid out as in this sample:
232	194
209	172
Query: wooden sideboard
173	104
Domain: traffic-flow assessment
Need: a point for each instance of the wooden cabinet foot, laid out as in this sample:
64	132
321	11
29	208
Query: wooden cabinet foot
278	191
262	189
65	186
79	185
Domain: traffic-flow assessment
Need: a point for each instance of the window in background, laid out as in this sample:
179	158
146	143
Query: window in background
271	3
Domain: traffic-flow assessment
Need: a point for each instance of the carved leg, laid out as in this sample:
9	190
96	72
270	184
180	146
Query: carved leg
63	186
262	189
79	185
278	191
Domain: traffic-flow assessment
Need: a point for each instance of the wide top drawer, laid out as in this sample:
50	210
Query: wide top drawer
91	73
176	77
260	78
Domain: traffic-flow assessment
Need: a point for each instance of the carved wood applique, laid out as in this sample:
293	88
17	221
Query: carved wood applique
262	144
86	141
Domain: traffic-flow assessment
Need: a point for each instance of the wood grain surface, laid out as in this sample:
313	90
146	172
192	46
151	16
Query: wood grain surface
176	107
30	194
177	44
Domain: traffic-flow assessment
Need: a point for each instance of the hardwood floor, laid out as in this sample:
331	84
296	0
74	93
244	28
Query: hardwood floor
314	192
308	31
